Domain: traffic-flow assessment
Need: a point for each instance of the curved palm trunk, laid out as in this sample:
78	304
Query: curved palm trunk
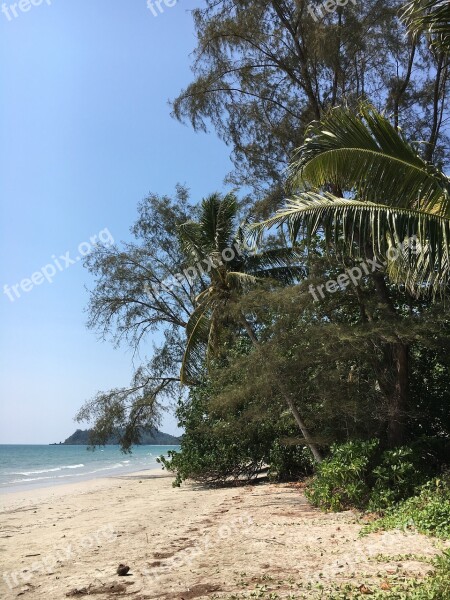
302	426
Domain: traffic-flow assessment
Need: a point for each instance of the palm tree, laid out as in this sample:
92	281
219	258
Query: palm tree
391	194
431	17
366	189
233	269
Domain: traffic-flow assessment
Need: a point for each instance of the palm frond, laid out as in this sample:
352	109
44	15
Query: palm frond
365	154
368	230
217	220
284	265
431	17
197	333
190	236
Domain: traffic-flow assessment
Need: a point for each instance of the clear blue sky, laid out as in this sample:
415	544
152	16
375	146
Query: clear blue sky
86	133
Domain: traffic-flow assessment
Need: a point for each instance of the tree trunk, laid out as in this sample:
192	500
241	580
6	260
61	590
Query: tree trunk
398	404
398	392
301	424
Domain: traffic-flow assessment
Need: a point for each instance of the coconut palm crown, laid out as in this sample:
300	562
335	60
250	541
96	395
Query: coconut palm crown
231	267
359	182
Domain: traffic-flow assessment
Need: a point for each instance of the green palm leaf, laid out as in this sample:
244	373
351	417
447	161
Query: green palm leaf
431	17
198	335
214	232
365	229
366	155
283	265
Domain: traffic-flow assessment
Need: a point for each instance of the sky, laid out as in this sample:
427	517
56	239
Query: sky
86	133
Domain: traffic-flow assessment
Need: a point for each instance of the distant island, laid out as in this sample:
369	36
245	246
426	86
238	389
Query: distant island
151	437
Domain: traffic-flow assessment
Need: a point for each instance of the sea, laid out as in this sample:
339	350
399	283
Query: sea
28	467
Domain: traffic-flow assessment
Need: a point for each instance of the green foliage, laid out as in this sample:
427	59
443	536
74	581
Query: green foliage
217	231
430	387
366	156
288	462
396	477
264	69
364	152
222	446
341	481
357	474
428	512
436	587
431	17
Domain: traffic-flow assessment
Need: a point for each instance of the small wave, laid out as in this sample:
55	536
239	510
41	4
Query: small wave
25	480
116	466
27	473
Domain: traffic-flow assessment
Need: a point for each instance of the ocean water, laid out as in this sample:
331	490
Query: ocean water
24	467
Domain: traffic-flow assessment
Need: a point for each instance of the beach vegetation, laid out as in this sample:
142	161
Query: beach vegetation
300	326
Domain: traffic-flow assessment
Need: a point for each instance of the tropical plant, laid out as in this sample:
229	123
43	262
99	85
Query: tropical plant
384	194
426	512
395	195
342	479
233	269
230	443
431	17
359	474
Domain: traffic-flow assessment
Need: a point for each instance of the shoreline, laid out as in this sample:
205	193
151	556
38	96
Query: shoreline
44	490
35	467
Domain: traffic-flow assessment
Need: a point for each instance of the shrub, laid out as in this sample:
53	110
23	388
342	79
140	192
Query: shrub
428	512
437	586
357	474
233	445
288	462
395	478
341	480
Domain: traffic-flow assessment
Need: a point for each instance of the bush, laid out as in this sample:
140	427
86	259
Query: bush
437	586
233	445
288	462
359	475
428	512
395	478
341	480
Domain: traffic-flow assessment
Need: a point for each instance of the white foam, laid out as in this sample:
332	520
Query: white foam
27	473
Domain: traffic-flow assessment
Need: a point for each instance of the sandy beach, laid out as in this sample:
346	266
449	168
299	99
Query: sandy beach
192	542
